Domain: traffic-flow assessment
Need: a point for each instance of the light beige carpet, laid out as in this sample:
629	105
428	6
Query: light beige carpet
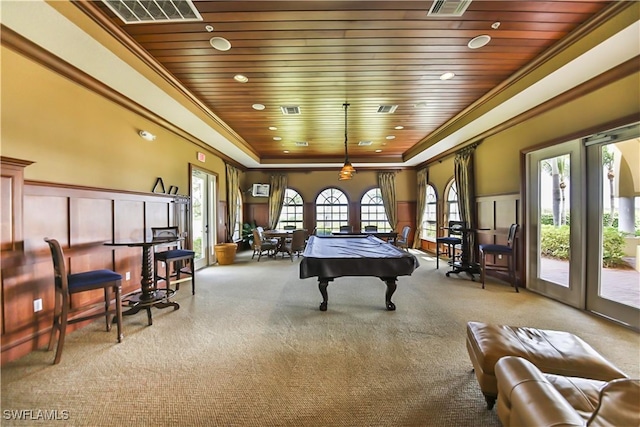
251	348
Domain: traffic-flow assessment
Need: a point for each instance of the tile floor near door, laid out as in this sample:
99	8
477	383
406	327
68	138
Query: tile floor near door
621	285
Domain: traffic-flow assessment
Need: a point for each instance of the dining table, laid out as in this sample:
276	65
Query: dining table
282	236
148	296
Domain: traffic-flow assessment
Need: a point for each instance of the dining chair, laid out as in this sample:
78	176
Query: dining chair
264	239
346	229
67	285
260	246
402	241
288	228
451	240
370	228
297	243
507	251
177	261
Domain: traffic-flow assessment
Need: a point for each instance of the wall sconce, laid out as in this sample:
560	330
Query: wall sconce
147	135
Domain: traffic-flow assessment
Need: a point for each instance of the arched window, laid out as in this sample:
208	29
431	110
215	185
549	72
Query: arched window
372	211
236	231
430	218
332	211
452	211
292	210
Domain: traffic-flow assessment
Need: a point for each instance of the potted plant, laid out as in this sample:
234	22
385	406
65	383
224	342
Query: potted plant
247	235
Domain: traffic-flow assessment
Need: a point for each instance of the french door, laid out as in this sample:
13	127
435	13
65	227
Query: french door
583	215
555	226
613	274
203	214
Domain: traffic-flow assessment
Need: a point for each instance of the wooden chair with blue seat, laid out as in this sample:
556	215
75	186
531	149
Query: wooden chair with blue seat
177	261
67	285
451	240
370	228
501	251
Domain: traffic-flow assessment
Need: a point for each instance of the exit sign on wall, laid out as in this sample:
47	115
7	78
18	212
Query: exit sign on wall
201	157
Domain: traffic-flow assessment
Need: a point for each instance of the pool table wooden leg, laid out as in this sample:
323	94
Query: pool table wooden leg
322	285
391	288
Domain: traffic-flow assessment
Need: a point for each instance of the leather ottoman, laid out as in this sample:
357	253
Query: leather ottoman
552	352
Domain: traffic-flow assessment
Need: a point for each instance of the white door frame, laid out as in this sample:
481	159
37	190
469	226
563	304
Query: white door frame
209	226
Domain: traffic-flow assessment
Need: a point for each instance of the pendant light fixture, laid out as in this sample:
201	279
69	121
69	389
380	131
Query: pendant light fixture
347	170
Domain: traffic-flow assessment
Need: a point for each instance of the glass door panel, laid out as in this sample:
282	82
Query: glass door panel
198	201
613	277
554	220
203	200
554	249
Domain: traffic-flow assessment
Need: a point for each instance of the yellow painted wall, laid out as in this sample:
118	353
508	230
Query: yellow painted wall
497	158
310	184
77	137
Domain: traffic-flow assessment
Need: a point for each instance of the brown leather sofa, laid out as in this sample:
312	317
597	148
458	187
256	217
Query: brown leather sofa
529	397
553	352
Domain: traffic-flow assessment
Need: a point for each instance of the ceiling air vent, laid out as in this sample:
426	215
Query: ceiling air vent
387	109
364	143
289	110
153	11
302	144
448	7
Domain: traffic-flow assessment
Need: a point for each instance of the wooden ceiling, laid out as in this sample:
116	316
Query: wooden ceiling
317	55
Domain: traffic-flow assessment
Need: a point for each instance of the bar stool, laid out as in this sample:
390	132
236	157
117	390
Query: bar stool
68	284
453	239
181	260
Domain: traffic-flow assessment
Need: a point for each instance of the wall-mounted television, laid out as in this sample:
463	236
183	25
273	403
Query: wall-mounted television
260	190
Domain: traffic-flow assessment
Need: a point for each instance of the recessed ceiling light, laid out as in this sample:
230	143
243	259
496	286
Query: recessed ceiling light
447	76
399	127
240	78
273	128
286	151
391	137
422	104
478	42
495	25
220	43
209	28
277	138
258	107
378	151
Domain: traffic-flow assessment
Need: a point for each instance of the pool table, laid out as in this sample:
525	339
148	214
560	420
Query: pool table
329	257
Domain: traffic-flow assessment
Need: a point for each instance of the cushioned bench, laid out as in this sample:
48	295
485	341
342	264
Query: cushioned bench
553	352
